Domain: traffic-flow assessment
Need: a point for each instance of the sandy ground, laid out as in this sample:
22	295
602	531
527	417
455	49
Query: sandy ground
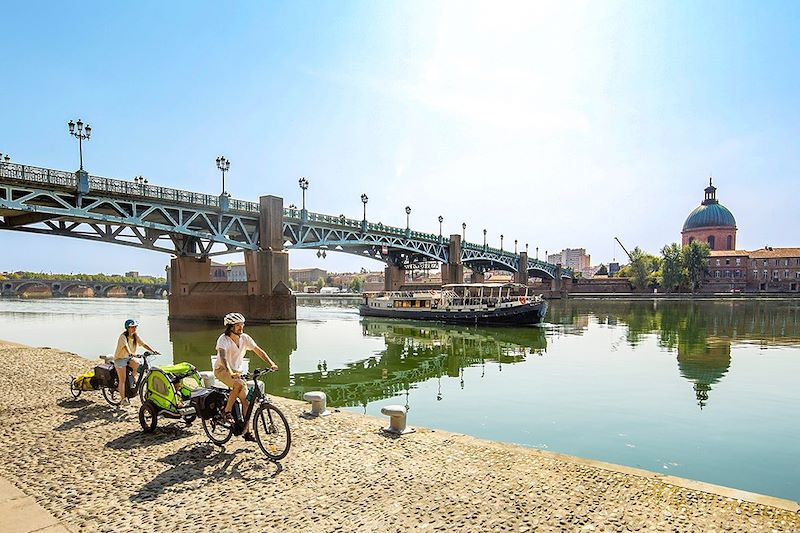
93	468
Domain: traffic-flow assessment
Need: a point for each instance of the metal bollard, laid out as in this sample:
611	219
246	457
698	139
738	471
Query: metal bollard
397	420
318	403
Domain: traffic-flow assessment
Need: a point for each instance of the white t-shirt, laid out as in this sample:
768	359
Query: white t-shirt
234	354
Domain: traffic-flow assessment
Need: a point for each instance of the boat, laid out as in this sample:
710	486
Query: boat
489	304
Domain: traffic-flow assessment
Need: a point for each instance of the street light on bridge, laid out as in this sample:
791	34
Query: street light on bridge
224	165
501	243
303	185
515	246
408	215
441	218
463	231
484	237
364	200
82	133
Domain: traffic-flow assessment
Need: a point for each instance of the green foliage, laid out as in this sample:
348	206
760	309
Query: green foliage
672	268
320	282
695	261
356	283
99	278
602	271
643	268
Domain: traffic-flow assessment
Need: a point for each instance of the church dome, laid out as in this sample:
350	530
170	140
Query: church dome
710	213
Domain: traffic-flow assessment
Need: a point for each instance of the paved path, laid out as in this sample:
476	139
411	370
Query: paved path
93	469
21	514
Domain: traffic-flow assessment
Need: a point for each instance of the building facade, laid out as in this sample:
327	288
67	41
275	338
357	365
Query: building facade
575	258
767	269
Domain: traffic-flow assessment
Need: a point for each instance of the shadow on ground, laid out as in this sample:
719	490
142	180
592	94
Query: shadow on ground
208	463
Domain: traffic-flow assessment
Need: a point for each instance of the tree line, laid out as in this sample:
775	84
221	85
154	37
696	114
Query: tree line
678	269
98	278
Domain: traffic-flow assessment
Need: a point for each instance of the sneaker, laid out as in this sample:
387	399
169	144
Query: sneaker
249	437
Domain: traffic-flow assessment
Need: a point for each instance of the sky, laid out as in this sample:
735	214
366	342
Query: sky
555	124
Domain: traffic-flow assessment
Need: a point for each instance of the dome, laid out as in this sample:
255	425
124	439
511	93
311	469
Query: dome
709	215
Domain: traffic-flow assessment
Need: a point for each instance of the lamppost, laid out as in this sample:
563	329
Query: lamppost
463	231
408	215
484	238
364	200
224	165
501	243
5	158
83	132
441	218
526	247
140	180
515	246
537	253
303	185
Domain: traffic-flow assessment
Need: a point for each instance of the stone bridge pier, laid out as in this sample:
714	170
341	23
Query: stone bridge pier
453	270
264	298
522	274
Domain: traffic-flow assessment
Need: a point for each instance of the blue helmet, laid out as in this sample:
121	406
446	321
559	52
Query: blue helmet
130	322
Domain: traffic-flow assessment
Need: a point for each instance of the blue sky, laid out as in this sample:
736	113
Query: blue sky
557	125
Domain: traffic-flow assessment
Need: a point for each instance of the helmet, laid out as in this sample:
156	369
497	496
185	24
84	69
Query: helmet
130	322
233	318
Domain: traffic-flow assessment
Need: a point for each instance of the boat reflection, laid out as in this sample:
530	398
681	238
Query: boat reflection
416	352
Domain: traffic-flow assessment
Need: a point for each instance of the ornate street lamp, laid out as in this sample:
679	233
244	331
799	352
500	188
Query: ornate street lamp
463	231
408	215
526	247
515	246
5	158
484	237
303	185
501	243
224	165
537	253
140	180
364	200
440	226
82	133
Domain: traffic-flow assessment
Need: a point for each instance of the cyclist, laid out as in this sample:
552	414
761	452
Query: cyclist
231	347
125	355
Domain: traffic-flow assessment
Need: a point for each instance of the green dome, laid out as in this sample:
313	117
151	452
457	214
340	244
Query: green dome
709	215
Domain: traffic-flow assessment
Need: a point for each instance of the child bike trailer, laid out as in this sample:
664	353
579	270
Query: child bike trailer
168	394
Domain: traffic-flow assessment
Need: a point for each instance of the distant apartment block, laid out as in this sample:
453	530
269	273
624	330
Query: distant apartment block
307	275
575	258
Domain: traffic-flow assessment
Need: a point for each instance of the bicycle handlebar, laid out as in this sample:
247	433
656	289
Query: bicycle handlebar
257	372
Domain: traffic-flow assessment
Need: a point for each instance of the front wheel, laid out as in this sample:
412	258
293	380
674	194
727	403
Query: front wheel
217	429
143	388
148	416
74	389
112	396
272	431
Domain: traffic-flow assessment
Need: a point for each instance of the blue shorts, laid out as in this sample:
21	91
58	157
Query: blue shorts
122	363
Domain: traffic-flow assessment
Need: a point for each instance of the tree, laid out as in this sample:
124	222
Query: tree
671	273
643	269
602	271
320	282
356	283
695	262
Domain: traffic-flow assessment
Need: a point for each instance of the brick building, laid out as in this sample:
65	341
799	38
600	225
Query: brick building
767	269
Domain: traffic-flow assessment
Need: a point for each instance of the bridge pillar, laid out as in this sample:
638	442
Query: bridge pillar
265	296
522	273
453	271
394	277
555	284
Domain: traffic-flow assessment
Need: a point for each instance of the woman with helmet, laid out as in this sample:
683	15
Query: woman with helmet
231	347
127	344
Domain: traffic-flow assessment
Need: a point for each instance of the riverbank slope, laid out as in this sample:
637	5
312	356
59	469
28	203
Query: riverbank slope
94	470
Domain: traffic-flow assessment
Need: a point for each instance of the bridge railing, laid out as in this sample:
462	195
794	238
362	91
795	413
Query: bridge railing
350	223
61	178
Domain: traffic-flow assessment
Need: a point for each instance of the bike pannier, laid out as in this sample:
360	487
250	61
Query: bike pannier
106	375
207	402
86	381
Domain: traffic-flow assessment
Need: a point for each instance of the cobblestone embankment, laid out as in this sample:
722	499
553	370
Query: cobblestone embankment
94	470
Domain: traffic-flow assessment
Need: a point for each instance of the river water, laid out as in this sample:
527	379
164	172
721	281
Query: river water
704	390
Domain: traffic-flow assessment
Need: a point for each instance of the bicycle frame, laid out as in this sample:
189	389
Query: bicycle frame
258	397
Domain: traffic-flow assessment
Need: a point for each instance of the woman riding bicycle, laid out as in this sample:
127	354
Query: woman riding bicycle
124	356
231	347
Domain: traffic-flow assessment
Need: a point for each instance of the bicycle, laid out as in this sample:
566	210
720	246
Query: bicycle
269	424
110	385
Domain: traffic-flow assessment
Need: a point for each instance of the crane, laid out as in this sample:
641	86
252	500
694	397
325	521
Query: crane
624	249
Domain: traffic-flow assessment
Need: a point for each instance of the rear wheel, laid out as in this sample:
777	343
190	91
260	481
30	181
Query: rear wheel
272	431
217	429
74	389
112	396
148	416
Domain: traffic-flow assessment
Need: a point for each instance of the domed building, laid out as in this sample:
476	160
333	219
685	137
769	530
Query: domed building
711	223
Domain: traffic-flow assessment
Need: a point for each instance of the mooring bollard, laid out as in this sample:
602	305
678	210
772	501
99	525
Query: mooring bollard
318	403
397	420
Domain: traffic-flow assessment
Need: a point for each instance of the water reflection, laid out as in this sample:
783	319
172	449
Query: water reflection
416	352
702	332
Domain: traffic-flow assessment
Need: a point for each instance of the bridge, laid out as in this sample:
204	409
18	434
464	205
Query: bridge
193	227
18	287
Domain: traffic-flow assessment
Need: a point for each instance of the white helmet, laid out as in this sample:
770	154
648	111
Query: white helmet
233	318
